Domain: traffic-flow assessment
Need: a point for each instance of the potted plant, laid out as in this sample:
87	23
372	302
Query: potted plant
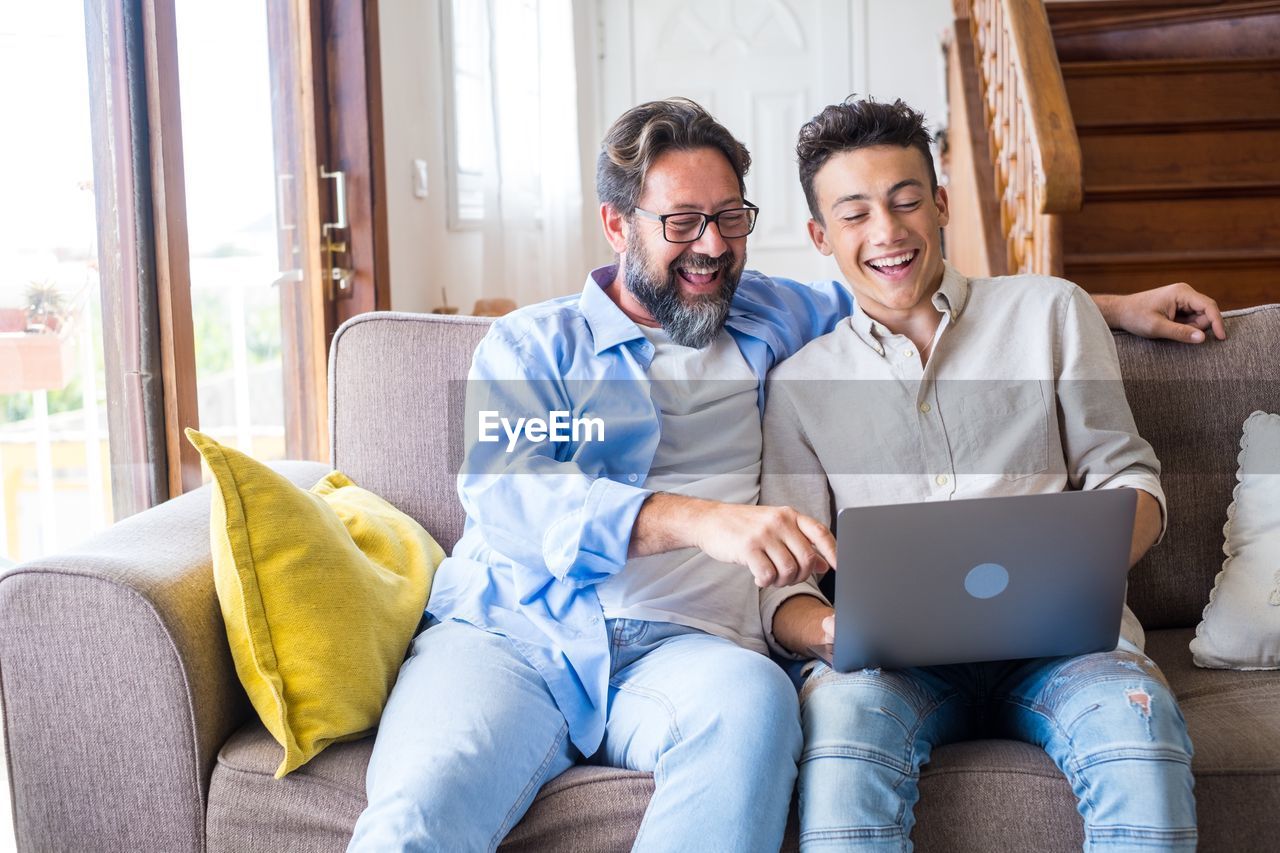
44	306
38	346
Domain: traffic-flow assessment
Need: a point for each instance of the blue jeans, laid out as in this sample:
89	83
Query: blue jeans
1109	721
471	733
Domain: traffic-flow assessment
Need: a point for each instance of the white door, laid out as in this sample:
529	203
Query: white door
762	67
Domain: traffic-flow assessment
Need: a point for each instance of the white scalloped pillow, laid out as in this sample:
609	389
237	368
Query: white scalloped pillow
1241	624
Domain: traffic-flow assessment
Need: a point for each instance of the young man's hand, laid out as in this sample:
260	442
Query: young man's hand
1177	312
778	545
803	621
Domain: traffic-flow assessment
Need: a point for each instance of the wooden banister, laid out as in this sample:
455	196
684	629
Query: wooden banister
1035	152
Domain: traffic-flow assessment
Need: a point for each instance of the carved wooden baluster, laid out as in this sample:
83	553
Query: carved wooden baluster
1035	157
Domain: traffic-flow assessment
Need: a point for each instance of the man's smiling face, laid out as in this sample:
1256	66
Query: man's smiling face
685	287
882	223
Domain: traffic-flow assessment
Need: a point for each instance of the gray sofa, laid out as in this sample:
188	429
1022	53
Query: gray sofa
127	728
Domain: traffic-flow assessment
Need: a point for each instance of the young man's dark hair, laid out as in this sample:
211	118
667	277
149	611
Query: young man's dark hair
859	123
641	134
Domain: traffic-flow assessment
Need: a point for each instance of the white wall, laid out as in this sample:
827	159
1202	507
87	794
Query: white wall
901	57
904	54
425	254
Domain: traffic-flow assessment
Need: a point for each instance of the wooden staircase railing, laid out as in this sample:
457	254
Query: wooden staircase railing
1035	152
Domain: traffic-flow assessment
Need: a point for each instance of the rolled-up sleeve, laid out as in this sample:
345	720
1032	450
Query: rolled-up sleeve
530	500
1100	439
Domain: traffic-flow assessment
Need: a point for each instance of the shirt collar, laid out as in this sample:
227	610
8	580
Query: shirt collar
950	298
609	325
953	294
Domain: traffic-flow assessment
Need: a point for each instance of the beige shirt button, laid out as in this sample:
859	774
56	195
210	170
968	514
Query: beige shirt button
908	353
941	479
926	408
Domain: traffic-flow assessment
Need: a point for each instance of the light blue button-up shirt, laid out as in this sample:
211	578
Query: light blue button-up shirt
547	520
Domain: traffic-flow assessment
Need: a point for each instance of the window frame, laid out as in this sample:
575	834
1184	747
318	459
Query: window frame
142	183
456	178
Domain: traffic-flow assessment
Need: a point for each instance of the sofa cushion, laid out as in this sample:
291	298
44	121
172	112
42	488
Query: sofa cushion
1189	403
1233	716
1234	721
415	461
979	795
585	810
1023	802
320	592
1241	625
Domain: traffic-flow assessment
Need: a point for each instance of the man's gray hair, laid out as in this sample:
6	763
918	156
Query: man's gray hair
643	133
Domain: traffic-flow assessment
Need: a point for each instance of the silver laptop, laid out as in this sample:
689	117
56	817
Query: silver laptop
979	580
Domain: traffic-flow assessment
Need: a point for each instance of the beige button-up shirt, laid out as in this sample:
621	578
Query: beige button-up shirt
1021	395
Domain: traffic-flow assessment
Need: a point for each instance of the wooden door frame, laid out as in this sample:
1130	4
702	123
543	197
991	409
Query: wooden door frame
351	126
173	257
342	52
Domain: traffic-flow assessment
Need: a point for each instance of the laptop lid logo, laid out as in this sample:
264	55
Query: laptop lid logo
986	580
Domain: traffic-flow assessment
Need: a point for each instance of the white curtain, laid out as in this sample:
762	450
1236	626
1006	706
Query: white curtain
532	231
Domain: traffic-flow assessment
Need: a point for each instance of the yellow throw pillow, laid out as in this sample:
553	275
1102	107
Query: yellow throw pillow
321	591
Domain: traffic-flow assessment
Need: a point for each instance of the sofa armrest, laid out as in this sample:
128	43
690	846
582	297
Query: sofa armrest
117	683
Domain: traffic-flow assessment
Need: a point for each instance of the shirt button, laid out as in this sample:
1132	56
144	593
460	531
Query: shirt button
907	353
926	408
631	478
941	479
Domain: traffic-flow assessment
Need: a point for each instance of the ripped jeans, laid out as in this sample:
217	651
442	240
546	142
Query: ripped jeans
1108	720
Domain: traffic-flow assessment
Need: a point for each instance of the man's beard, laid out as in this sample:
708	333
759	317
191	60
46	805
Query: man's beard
692	322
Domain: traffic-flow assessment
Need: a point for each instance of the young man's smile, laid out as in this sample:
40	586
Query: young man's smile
895	267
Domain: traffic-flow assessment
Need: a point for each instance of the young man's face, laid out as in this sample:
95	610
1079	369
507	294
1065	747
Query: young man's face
881	222
686	287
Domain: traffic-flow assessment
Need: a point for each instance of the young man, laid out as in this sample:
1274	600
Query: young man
603	601
949	387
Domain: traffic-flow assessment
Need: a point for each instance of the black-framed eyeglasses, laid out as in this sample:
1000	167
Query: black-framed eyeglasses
688	226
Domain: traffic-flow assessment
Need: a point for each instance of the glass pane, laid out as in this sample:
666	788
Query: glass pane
55	484
232	222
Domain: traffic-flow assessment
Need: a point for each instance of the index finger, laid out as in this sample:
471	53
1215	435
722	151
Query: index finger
820	536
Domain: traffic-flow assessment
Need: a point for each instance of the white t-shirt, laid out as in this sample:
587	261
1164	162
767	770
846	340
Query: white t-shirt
709	448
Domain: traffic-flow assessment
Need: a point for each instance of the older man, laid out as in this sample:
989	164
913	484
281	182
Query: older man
603	603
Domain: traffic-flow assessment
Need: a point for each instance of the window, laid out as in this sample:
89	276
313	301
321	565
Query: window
467	54
232	223
499	58
161	253
55	483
